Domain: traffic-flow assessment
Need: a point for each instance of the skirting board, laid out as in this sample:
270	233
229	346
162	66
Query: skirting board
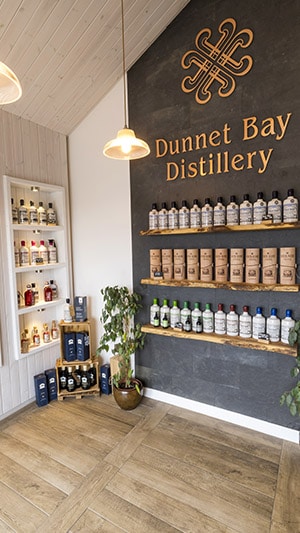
291	435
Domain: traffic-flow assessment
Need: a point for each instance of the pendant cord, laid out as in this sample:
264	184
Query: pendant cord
124	69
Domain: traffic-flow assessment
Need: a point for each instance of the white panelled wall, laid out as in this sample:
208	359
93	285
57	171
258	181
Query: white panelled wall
100	208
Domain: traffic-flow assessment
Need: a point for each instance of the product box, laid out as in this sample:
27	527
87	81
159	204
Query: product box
70	346
105	379
80	304
51	384
82	346
41	391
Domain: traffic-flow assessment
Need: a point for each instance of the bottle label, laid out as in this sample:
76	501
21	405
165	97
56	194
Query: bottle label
153	220
259	211
232	325
232	215
219	216
274	209
208	323
290	211
184	218
246	214
245	327
163	220
195	218
207	216
258	326
220	324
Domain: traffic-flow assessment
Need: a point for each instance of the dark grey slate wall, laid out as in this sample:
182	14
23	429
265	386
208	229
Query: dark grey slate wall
244	381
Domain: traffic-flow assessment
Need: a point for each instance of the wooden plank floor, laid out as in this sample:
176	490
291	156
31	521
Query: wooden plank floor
86	465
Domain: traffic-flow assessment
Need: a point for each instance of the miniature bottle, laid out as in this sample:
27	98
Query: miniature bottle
24	254
232	322
33	253
290	208
153	217
29	295
275	208
36	339
187	326
163	216
46	333
195	215
164	310
54	330
196	314
258	323
259	209
207	214
207	319
14	212
156	320
67	311
52	252
184	215
154	308
232	212
173	217
47	292
273	326
246	211
199	325
25	341
43	252
54	289
286	324
32	213
42	215
219	213
23	213
165	321
185	312
51	215
174	314
245	324
220	320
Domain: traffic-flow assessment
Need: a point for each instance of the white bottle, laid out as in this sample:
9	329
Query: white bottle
219	213
42	215
258	323
259	208
32	213
34	253
245	324
51	215
163	217
208	319
67	311
173	217
207	214
232	212
246	211
14	213
24	254
154	308
273	326
275	208
153	217
184	215
23	213
232	322
286	324
195	215
164	310
185	313
174	314
52	253
196	314
220	321
43	252
290	208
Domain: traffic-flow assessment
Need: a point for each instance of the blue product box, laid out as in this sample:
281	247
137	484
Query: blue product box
105	379
80	304
82	346
70	346
51	383
41	391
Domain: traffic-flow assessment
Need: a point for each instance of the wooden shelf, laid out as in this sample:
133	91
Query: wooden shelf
217	229
250	344
220	285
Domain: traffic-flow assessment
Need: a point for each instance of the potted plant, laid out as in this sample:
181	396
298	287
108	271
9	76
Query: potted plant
123	337
292	397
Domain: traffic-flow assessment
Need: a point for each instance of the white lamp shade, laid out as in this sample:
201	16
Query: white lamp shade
10	87
126	146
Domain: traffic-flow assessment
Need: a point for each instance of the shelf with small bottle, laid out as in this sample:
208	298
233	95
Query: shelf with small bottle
250	343
220	285
40	306
266	225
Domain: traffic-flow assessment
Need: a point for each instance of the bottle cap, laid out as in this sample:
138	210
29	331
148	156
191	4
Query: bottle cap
232	199
41	204
175	303
260	196
274	194
50	205
207	306
220	307
245	308
184	203
173	204
290	192
185	305
32	243
42	243
288	313
67	300
155	301
22	243
220	200
164	205
273	311
232	307
195	202
165	301
21	202
31	203
196	305
246	197
207	201
154	206
258	310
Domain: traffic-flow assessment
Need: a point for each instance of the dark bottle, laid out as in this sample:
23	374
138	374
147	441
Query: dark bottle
71	385
199	325
63	378
29	295
165	321
77	376
92	374
156	320
187	326
85	378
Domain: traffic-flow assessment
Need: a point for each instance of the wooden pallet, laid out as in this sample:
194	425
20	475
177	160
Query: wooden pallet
78	394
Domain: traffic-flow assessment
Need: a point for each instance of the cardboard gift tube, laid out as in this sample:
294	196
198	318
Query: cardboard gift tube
252	267
155	256
237	265
167	256
221	264
179	256
269	266
192	263
179	271
287	267
154	269
206	264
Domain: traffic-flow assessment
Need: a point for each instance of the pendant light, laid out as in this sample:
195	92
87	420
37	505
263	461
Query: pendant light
10	88
125	146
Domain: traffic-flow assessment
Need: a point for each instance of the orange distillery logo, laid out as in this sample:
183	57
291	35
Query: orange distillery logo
215	65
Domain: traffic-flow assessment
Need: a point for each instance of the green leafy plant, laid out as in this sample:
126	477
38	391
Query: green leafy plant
292	397
120	333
